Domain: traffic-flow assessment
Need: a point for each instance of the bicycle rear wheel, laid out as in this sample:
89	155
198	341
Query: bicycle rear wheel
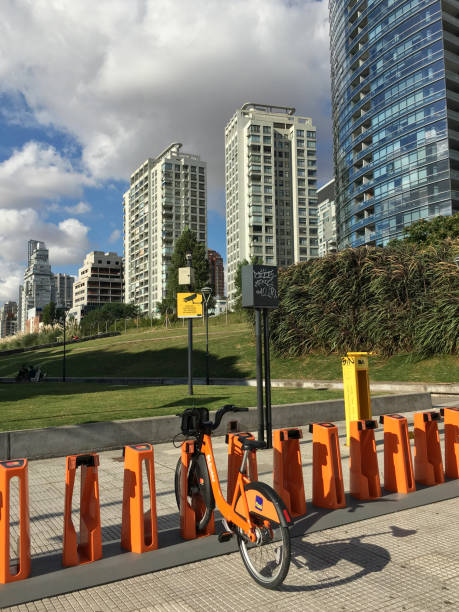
199	494
268	559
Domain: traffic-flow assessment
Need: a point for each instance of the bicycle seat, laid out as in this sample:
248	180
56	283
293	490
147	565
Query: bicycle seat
248	444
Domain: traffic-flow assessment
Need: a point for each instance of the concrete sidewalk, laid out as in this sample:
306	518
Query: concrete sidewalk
400	561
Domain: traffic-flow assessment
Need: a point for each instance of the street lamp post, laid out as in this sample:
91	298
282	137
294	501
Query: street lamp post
206	293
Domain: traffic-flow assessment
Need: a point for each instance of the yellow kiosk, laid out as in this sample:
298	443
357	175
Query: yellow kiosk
356	388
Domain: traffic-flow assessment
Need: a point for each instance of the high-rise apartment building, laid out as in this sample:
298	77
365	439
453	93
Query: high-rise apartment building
64	290
326	211
395	100
216	273
270	177
167	194
100	281
38	289
8	319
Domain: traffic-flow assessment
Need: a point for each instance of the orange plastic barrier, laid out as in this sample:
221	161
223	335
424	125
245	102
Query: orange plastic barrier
428	464
288	470
8	470
235	454
327	475
89	548
398	464
139	529
451	416
363	461
187	514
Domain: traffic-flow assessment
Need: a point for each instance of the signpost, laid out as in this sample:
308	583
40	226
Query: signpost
189	305
259	291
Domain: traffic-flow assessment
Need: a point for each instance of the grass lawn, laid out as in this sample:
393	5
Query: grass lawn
160	352
30	406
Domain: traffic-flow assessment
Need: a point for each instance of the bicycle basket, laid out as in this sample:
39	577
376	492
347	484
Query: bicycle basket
191	420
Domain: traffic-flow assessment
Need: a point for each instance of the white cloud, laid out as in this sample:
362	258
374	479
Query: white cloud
79	209
38	173
128	78
114	236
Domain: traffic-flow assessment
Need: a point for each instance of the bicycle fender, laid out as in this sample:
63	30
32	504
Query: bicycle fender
264	504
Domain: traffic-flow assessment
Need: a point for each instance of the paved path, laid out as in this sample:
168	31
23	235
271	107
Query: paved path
407	560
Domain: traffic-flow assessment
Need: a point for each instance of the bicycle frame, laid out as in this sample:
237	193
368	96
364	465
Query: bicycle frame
229	510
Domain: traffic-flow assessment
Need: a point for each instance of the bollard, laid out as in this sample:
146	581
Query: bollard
428	464
451	416
89	548
187	514
398	464
8	470
363	461
327	475
235	454
288	470
139	530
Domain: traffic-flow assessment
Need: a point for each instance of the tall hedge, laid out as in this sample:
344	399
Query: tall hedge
402	297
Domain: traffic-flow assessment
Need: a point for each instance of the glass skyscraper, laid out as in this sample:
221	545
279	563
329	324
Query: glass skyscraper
395	99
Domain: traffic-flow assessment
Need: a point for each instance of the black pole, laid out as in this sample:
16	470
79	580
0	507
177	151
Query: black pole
190	351
207	344
63	362
269	424
261	424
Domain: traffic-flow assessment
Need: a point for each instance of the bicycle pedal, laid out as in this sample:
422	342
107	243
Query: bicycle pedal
225	536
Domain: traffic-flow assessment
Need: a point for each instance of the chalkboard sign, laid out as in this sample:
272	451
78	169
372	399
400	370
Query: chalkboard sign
259	287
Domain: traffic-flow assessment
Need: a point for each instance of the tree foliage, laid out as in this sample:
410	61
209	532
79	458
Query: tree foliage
433	231
49	314
108	313
399	298
187	243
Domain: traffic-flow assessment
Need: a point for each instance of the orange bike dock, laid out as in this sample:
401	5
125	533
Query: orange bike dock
16	468
235	455
327	475
398	463
139	531
451	416
428	463
363	461
89	548
288	470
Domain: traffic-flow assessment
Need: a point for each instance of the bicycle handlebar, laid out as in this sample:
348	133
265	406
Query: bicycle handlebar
222	411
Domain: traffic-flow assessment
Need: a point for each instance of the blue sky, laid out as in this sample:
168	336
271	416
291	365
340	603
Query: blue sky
89	90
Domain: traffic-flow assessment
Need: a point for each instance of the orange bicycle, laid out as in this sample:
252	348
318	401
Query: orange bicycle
256	515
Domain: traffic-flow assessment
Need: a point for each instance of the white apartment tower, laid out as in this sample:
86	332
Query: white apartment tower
167	194
327	218
38	289
270	176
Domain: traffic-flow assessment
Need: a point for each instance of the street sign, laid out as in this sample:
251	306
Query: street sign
189	305
259	286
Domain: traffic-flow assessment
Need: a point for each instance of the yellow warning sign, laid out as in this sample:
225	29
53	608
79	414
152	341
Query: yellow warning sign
189	305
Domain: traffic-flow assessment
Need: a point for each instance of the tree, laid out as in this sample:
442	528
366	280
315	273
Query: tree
187	243
50	314
433	231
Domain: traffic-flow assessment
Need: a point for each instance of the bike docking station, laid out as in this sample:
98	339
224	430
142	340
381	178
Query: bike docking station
139	530
89	548
363	460
428	464
288	470
10	572
327	475
451	420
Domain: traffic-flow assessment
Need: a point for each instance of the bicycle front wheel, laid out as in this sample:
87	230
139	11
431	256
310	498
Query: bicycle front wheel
268	559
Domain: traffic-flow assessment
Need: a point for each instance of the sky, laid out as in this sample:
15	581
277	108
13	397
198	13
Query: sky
89	90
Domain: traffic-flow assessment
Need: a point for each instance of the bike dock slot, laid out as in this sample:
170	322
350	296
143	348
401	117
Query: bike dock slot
363	461
327	475
428	464
89	548
139	531
398	463
288	470
188	529
235	455
10	572
451	428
